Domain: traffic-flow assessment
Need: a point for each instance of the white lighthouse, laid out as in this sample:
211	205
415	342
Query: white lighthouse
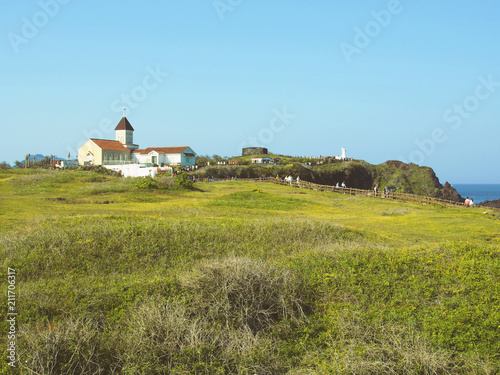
342	156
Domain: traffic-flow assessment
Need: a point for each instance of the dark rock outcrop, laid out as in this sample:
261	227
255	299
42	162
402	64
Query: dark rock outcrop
493	204
450	193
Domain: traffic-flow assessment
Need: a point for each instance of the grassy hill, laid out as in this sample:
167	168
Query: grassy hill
406	178
114	276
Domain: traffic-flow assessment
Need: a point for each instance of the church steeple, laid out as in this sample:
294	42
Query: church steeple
125	133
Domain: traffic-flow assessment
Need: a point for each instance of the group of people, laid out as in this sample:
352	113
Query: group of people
469	202
341	186
387	191
290	179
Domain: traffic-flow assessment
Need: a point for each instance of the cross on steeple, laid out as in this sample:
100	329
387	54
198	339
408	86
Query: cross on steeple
124	111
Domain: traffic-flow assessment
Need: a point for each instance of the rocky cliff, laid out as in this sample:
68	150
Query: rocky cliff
398	176
494	203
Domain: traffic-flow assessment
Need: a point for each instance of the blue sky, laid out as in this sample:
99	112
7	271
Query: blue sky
407	80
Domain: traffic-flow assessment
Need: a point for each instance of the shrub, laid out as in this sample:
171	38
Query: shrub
165	182
100	169
182	180
147	183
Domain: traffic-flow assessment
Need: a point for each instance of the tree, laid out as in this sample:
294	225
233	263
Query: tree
202	161
4	165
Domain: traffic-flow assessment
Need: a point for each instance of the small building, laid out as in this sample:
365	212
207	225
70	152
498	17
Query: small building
65	163
264	160
183	156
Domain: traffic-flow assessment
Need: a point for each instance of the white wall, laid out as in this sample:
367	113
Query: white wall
133	170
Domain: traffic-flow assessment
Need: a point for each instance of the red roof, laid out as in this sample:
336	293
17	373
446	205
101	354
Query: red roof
124	125
106	144
162	150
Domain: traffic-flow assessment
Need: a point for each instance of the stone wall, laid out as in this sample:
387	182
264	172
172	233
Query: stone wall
247	151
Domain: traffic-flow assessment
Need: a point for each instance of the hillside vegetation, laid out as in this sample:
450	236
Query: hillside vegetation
123	276
405	178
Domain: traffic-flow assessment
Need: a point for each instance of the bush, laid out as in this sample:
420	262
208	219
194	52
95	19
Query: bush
147	183
100	169
4	165
165	182
182	180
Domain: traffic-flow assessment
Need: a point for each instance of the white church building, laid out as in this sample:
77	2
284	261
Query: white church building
123	151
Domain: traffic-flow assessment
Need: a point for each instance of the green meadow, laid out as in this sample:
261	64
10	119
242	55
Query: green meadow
126	276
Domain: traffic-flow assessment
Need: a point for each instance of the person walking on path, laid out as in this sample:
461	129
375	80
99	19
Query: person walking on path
375	190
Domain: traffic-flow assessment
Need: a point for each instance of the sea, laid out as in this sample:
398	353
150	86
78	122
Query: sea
479	192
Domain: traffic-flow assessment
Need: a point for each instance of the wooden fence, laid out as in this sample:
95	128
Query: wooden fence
396	196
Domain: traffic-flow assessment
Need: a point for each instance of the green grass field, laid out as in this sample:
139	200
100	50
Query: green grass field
243	278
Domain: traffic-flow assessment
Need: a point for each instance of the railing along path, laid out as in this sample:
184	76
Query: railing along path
420	199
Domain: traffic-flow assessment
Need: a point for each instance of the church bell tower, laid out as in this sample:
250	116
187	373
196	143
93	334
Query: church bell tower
125	133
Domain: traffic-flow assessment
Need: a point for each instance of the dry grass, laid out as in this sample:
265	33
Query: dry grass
241	292
167	337
73	346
